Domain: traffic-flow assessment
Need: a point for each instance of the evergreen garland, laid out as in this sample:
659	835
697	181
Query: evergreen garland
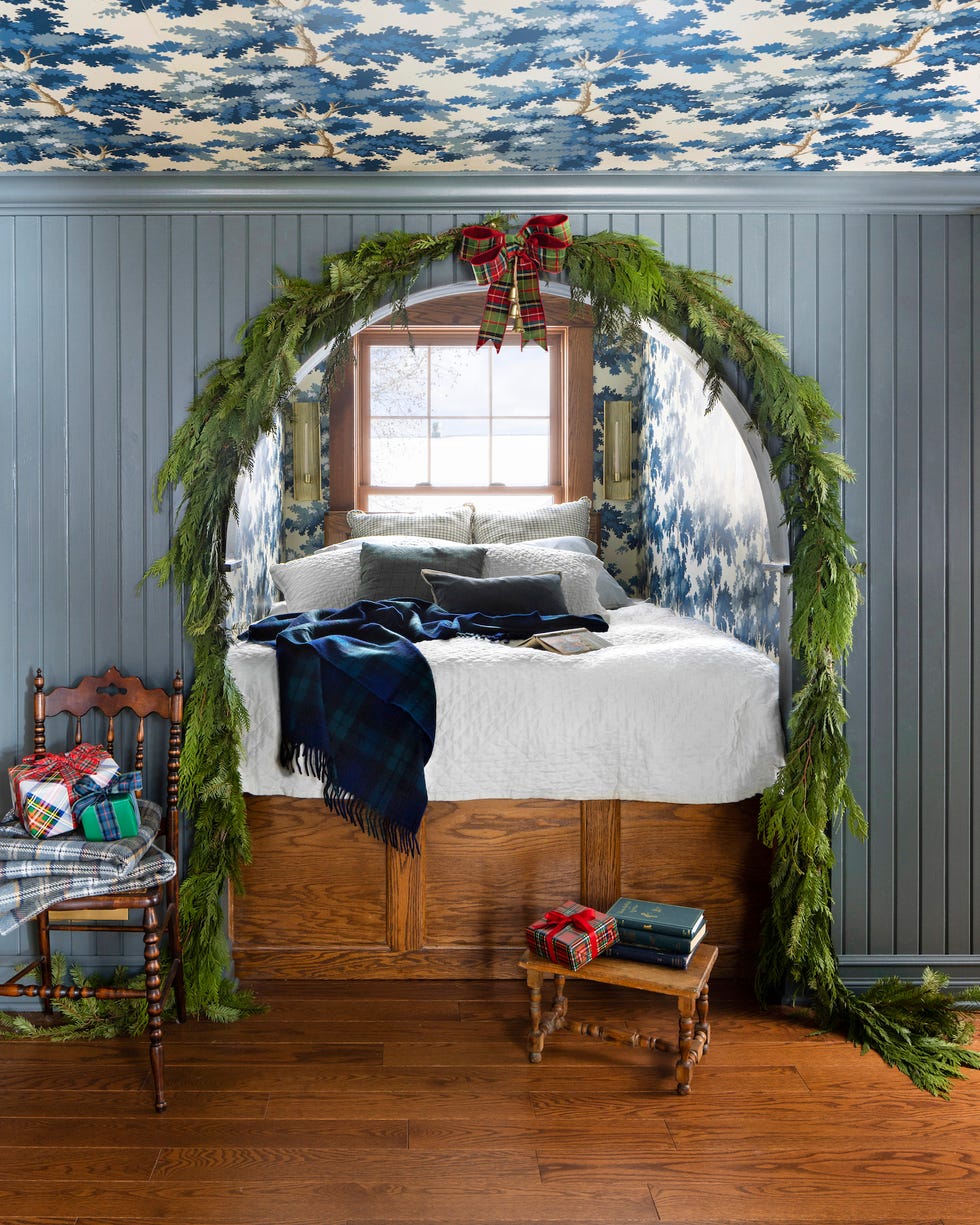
626	281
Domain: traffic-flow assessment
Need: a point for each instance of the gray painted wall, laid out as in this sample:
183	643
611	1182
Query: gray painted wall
116	290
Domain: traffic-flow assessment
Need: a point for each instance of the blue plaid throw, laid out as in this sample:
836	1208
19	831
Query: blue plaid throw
358	704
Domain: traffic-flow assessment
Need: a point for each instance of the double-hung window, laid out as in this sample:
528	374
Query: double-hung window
439	420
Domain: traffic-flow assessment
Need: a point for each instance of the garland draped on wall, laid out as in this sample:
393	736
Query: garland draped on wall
915	1027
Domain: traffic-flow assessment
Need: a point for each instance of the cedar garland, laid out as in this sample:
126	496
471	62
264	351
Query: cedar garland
626	280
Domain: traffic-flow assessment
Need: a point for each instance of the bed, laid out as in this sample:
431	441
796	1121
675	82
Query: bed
634	769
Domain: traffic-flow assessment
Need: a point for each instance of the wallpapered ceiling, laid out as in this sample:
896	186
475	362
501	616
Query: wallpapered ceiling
564	85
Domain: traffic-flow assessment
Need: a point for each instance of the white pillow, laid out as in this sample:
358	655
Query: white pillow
578	572
329	578
565	519
454	523
611	595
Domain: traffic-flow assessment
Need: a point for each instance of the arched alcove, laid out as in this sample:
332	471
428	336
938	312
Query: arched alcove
627	281
253	554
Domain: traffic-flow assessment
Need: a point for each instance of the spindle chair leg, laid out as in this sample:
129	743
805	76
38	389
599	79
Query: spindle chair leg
177	956
154	1007
44	949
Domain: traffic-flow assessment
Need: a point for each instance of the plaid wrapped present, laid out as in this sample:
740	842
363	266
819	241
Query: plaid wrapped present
108	812
572	935
44	788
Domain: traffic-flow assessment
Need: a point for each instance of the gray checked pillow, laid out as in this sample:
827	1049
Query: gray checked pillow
454	523
565	519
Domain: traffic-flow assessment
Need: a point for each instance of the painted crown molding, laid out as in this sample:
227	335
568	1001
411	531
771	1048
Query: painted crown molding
27	192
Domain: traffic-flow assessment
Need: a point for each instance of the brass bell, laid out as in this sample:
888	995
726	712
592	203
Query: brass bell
514	314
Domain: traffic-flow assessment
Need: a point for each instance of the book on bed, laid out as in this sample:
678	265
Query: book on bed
564	642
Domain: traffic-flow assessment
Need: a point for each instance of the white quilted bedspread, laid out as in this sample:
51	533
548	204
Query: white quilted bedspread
673	711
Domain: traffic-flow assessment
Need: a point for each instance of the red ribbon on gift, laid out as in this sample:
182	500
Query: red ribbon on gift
64	768
557	921
498	259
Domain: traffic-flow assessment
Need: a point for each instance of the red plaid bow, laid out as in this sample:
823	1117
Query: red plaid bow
557	920
497	258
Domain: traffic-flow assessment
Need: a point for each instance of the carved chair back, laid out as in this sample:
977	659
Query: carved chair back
111	694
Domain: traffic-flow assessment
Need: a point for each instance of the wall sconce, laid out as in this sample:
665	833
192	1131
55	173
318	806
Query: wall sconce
618	450
306	451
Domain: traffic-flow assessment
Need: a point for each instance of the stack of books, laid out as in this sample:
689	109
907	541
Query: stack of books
655	932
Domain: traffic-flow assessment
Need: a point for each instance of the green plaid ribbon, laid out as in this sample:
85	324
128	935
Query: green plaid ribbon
89	792
537	247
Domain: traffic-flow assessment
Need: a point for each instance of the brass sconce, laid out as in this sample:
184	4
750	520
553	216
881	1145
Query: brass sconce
618	450
306	451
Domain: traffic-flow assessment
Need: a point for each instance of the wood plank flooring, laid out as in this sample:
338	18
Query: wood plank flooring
413	1102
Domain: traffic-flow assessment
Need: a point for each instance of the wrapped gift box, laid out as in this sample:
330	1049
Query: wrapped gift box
110	812
43	789
572	935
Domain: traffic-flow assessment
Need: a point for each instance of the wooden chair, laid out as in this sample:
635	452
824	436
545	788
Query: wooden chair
110	694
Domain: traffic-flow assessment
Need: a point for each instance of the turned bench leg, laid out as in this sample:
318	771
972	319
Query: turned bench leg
702	1026
692	1039
535	1041
544	1023
685	1040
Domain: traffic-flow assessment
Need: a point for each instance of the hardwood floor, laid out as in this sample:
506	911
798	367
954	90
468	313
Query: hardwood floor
371	1102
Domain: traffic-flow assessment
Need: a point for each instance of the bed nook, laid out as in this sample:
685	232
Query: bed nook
629	770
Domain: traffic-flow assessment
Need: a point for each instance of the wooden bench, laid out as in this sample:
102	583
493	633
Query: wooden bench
690	987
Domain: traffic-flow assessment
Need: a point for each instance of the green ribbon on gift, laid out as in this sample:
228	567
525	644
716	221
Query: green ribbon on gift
503	261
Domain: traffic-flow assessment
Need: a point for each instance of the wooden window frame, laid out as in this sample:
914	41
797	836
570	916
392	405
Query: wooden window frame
457	337
571	443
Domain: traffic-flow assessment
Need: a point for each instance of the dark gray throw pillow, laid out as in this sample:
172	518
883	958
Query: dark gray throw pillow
393	571
512	593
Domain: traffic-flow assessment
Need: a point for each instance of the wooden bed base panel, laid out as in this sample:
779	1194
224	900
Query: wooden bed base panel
324	900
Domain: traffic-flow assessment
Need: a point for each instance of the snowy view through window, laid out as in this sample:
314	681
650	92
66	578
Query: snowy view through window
453	416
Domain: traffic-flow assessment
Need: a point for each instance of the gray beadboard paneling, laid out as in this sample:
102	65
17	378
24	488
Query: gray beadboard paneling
973	511
112	304
11	695
852	913
959	653
933	501
907	661
879	551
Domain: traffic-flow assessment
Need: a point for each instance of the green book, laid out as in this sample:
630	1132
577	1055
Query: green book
639	937
662	917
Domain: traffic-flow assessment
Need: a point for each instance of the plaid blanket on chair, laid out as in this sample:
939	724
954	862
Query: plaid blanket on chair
37	874
358	705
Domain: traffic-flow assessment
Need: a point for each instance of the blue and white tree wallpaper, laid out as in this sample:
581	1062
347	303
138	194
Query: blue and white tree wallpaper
254	534
457	85
704	532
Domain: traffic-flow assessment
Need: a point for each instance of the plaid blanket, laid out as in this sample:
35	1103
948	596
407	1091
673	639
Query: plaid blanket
37	874
358	705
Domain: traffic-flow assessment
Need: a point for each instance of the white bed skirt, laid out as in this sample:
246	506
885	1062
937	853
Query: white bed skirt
676	712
